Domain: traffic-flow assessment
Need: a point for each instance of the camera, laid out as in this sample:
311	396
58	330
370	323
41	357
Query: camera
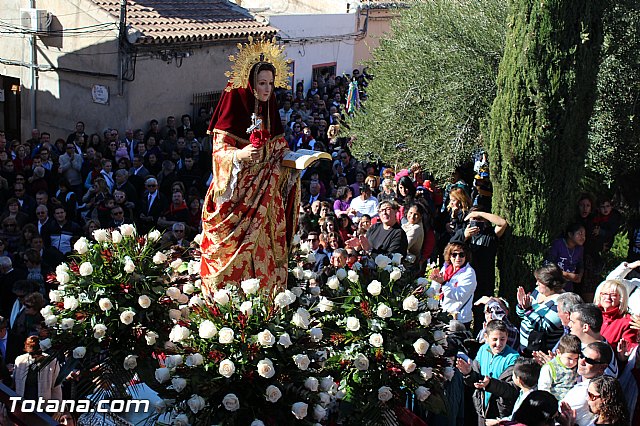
478	223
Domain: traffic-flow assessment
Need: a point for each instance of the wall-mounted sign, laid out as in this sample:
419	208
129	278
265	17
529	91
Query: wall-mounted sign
100	94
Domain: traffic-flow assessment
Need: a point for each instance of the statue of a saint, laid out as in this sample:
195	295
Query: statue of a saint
250	209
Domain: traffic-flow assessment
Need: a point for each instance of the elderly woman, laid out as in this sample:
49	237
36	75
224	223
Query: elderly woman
612	298
541	327
32	380
457	280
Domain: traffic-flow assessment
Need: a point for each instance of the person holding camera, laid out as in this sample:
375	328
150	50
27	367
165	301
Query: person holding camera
482	233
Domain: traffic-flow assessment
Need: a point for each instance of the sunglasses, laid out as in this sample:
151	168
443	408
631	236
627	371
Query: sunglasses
593	397
458	254
591	361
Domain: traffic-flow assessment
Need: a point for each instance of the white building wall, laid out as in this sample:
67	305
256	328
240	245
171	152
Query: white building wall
317	39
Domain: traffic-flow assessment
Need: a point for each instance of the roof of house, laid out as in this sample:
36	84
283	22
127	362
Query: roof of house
384	4
187	21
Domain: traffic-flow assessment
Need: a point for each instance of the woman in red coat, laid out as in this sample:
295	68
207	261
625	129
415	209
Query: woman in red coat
612	298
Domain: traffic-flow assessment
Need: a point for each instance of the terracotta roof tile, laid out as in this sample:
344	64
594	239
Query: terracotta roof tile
162	21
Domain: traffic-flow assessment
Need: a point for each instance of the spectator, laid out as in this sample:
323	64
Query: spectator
540	408
594	359
568	252
5	375
176	213
32	382
27	322
344	194
71	167
321	259
457	281
561	373
607	400
414	230
613	300
586	323
525	379
497	309
14	212
541	327
385	237
8	276
154	203
623	274
364	204
60	232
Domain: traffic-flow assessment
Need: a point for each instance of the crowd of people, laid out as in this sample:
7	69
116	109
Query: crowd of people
576	341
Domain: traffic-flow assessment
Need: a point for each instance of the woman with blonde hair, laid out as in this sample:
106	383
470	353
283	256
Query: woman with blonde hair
612	298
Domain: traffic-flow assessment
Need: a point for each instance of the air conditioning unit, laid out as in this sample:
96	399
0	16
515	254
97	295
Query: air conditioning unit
36	20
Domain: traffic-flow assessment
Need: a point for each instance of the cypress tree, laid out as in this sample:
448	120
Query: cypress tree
539	123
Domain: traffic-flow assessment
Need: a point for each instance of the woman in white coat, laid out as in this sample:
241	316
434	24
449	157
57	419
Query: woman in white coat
31	381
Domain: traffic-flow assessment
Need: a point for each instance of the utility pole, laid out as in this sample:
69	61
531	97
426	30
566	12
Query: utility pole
34	74
122	33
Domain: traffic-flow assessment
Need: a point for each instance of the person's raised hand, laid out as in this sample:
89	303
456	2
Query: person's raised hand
541	357
482	383
567	415
524	300
463	366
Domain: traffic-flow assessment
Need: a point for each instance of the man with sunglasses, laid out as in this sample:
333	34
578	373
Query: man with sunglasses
593	362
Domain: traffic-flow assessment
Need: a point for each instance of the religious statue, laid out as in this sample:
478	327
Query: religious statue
250	209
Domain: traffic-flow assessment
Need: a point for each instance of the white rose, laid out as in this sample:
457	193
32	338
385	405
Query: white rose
376	340
50	320
327	383
63	277
194	360
55	296
188	288
193	267
178	384
81	246
129	266
410	303
297	291
266	369
196	301
285	340
221	297
67	324
127	230
440	337
437	350
325	305
296	240
225	335
173	292
316	334
79	352
207	329
308	274
361	362
63	267
281	300
273	393
227	368
144	301
425	319
384	311
341	273
257	422
116	237
374	288
265	338
151	337
70	303
298	272
179	333
126	317
325	398
250	286
422	393
46	311
302	361
395	274
312	384
311	257
162	375
421	346
100	235
432	304
382	261
45	344
315	290
301	318
99	331
319	413
198	239
299	409
176	264
130	362
105	304
426	373
86	269
409	365
179	420
448	373
384	393
246	308
353	276
396	259
197	403
175	314
353	324
153	235
333	282
173	361
159	258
